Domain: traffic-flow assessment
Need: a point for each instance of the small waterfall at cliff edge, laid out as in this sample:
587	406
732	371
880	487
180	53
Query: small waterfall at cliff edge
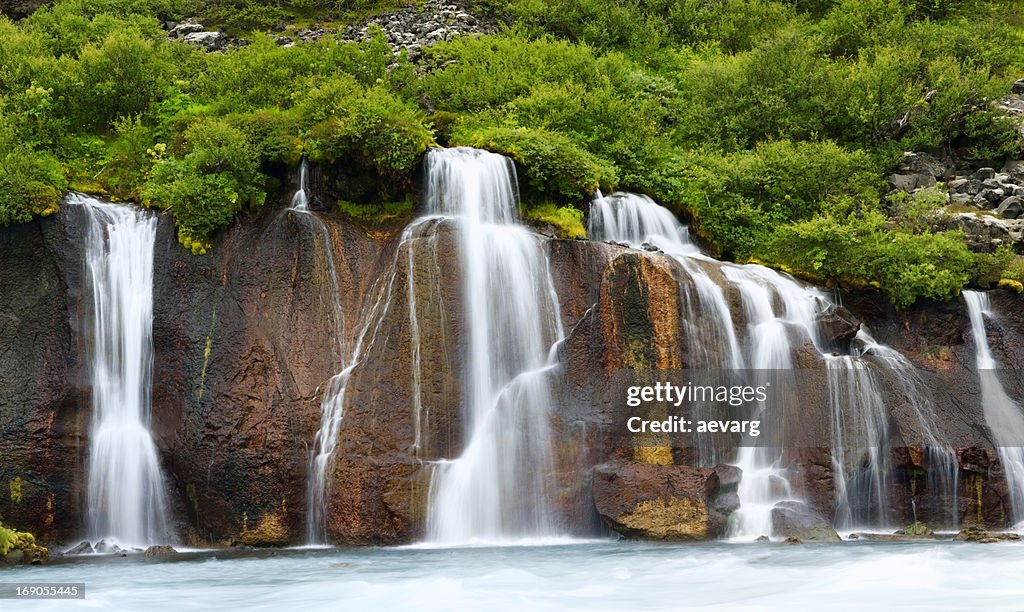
498	489
1002	414
125	486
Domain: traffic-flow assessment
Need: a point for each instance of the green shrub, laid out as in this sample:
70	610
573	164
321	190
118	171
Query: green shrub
209	185
31	183
552	164
374	126
567	220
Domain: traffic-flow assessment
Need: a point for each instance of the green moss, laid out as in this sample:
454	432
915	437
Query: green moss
16	486
567	220
376	214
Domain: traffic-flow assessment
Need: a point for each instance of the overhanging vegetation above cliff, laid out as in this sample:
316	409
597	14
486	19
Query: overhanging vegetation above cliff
771	124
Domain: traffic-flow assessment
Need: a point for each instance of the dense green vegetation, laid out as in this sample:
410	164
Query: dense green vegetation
771	124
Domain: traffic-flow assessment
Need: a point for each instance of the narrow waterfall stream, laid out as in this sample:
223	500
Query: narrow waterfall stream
499	487
125	485
1003	415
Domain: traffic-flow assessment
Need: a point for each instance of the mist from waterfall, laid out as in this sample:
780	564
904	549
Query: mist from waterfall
125	487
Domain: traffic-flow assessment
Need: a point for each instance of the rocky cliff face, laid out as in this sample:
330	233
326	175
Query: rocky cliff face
247	337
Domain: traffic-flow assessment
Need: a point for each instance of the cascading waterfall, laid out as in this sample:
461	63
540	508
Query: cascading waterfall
1002	414
780	315
770	340
859	416
942	477
332	404
499	487
636	220
125	485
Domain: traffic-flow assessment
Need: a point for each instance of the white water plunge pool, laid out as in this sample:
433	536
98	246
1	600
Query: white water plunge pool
604	575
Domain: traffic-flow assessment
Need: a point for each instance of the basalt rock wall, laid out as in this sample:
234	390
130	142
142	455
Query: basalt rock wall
246	340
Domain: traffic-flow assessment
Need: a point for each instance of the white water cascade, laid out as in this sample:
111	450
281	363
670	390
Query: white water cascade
1003	415
498	488
780	315
125	485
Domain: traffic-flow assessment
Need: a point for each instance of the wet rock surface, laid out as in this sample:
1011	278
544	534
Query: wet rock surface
660	502
797	520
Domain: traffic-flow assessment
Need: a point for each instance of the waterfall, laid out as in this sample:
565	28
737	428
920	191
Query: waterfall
125	485
499	487
332	301
780	316
332	405
943	469
859	417
300	201
1002	414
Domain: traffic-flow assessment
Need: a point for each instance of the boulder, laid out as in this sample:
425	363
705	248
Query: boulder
910	182
1011	208
915	529
659	502
182	30
160	551
85	548
792	519
838	325
983	233
211	41
1018	87
979	535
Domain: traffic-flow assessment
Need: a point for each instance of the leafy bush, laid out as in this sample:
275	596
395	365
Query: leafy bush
567	220
552	164
374	126
209	185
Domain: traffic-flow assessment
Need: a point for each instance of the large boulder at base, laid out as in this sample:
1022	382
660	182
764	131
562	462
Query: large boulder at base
791	519
659	502
979	535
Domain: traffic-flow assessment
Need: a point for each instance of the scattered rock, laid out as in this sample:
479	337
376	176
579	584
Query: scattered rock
797	520
979	535
211	41
1011	208
158	551
793	540
411	28
763	539
85	548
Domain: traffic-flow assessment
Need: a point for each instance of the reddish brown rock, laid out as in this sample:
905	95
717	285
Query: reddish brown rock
660	502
